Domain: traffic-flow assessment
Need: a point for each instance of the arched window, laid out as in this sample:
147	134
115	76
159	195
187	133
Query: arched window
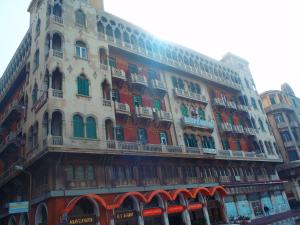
45	125
56	124
81	50
34	94
78	126
79	173
118	34
57	42
100	27
82	85
80	18
91	128
126	37
38	27
109	31
57	10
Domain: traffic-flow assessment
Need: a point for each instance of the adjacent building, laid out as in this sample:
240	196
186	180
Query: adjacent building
102	123
283	110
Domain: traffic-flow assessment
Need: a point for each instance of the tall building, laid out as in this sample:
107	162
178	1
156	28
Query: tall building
283	111
102	123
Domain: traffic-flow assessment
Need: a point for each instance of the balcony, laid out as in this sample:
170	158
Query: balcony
122	109
138	80
57	93
11	140
294	124
190	95
56	19
12	111
238	129
250	131
282	125
197	123
226	127
231	105
242	108
118	74
159	86
219	102
276	107
143	113
163	117
288	144
209	151
57	53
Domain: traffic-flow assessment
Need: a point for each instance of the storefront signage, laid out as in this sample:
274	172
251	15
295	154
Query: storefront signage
125	215
82	220
17	207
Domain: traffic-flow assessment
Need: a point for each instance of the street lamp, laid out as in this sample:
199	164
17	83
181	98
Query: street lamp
21	168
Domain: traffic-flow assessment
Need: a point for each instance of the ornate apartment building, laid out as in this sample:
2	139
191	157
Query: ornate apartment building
283	111
102	123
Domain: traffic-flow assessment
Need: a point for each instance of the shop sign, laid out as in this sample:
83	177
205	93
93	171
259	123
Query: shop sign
17	207
82	220
126	215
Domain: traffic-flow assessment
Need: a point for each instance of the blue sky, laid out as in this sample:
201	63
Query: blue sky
265	33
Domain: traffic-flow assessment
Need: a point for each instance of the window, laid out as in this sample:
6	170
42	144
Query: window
80	18
137	100
253	102
278	118
79	173
285	135
38	27
293	155
184	110
91	128
133	69
163	138
157	104
238	145
230	119
112	62
119	133
90	173
100	27
69	172
201	114
36	59
272	100
78	130
142	135
34	94
82	85
57	10
115	95
261	125
225	144
198	89
81	50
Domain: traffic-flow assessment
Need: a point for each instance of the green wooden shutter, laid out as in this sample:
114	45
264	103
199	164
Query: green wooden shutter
230	120
137	100
78	126
157	104
201	114
184	110
91	128
219	117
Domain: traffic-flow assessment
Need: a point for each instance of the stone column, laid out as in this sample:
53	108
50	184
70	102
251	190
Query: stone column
205	212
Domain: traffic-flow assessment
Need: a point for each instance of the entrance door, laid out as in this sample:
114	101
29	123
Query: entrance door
176	219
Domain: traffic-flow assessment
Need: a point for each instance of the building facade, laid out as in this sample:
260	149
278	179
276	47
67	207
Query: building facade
101	123
282	108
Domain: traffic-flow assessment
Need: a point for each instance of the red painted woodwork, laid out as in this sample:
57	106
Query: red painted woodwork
152	212
194	206
175	209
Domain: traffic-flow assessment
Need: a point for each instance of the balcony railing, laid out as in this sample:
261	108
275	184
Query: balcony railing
57	140
288	144
144	112
158	85
57	19
58	53
199	123
107	102
122	108
250	131
226	127
243	108
190	95
164	116
238	129
219	102
210	151
139	79
231	105
118	74
57	93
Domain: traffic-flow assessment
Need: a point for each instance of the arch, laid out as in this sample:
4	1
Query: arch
117	202
109	30
109	132
218	189
78	126
166	195
74	201
57	41
24	219
56	123
41	214
202	190
80	18
45	124
91	131
57	9
57	78
84	206
100	27
185	192
12	220
106	90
